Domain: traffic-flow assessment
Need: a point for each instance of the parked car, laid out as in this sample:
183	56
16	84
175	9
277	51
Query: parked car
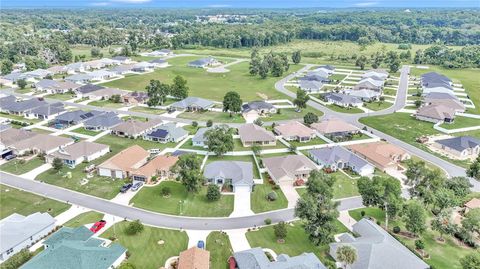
10	157
97	226
201	244
126	187
136	186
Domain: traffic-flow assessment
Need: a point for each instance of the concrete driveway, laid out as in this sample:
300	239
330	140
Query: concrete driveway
241	205
290	193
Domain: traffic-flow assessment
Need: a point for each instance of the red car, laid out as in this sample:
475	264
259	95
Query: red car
98	226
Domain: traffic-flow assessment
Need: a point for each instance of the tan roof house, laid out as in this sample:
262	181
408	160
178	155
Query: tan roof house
381	154
334	128
289	168
76	153
194	258
159	166
135	128
472	204
436	113
252	134
21	141
294	130
123	163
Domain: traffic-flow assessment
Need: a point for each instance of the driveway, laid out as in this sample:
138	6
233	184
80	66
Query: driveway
241	205
290	193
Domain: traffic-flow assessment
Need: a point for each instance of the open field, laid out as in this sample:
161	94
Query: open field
149	110
461	122
220	249
260	203
106	103
86	50
144	248
375	106
181	202
25	203
352	110
84	131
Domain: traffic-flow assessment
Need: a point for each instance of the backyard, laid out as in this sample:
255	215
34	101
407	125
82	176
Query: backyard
220	249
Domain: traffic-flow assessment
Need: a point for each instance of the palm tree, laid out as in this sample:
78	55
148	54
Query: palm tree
346	255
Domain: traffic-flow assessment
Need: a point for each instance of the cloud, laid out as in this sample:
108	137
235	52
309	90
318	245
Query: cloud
131	1
99	4
365	4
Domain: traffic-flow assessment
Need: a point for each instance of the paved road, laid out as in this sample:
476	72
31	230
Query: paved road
151	218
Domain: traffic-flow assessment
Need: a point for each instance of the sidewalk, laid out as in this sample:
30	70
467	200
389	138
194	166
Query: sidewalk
238	239
346	220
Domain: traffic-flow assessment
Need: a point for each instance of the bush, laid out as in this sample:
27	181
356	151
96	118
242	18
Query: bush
17	260
165	191
280	230
419	244
209	123
396	229
268	221
194	124
213	192
272	196
378	223
134	228
126	265
362	213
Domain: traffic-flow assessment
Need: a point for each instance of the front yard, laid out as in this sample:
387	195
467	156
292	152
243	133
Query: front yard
350	110
344	186
216	117
375	106
84	218
238	146
19	166
220	249
260	203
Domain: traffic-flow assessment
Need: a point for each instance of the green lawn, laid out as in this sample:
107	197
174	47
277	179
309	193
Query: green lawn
84	218
60	96
106	103
220	249
259	201
344	186
290	114
86	50
180	202
17	201
243	158
461	122
351	110
148	110
190	129
145	249
211	86
18	118
189	145
118	143
84	131
315	141
216	117
337	77
18	167
377	105
389	92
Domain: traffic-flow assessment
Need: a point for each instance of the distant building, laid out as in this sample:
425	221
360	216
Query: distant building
342	100
294	131
192	104
204	62
159	167
462	147
83	151
123	163
381	154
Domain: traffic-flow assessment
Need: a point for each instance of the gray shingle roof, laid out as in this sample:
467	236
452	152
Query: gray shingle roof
202	62
460	143
87	88
256	105
169	129
77	116
241	173
192	102
342	98
255	258
310	84
199	135
48	109
105	120
336	154
25	105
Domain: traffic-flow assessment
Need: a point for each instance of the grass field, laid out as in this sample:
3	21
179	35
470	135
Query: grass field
217	117
351	110
315	141
83	219
18	167
148	110
106	103
117	143
461	122
181	202
260	203
84	131
290	114
18	118
375	106
60	96
211	86
344	186
144	248
220	249
86	50
21	202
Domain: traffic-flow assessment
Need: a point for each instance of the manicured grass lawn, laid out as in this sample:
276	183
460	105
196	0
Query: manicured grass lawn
315	141
216	117
296	242
389	92
461	122
290	114
373	212
344	186
86	50
144	248
189	145
117	143
243	158
190	129
377	105
259	201
337	77
18	118
17	201
238	146
18	167
181	202
106	103
211	86
60	96
149	110
220	249
24	91
83	219
84	131
351	110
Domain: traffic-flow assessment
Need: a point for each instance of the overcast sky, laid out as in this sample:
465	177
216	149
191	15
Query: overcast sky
241	3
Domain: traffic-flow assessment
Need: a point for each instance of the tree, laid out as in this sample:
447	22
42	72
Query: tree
415	217
126	265
17	260
219	139
444	198
302	99
317	208
256	149
296	57
6	67
96	53
209	123
377	59
189	173
258	122
278	66
57	164
232	102
157	92
471	261
179	88
361	61
116	98
459	185
134	227
255	62
471	222
347	255
310	118
443	223
213	192
393	61
22	83
263	69
474	169
418	59
280	230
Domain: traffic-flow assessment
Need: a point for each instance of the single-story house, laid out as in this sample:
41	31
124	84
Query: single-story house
329	69
198	140
342	100
337	157
6	101
428	80
365	94
462	147
38	74
256	258
194	258
381	154
289	168
165	133
76	248
76	153
74	117
436	113
294	131
252	134
35	142
80	78
102	122
82	91
335	128
58	69
159	167
21	107
259	108
446	99
438	89
18	232
16	76
379	73
204	62
104	93
135	128
319	75
45	112
376	248
122	59
123	163
369	84
54	86
235	173
98	75
192	104
135	98
75	68
159	53
159	63
143	67
122	69
310	86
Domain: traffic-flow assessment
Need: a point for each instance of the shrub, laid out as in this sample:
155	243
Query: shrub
280	230
134	228
419	244
378	223
209	123
362	213
268	221
126	265
272	196
213	192
165	191
396	229
194	124
17	260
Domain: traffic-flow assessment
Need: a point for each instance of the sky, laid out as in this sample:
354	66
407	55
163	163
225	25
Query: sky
241	3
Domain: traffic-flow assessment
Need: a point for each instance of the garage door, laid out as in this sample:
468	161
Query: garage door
242	189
